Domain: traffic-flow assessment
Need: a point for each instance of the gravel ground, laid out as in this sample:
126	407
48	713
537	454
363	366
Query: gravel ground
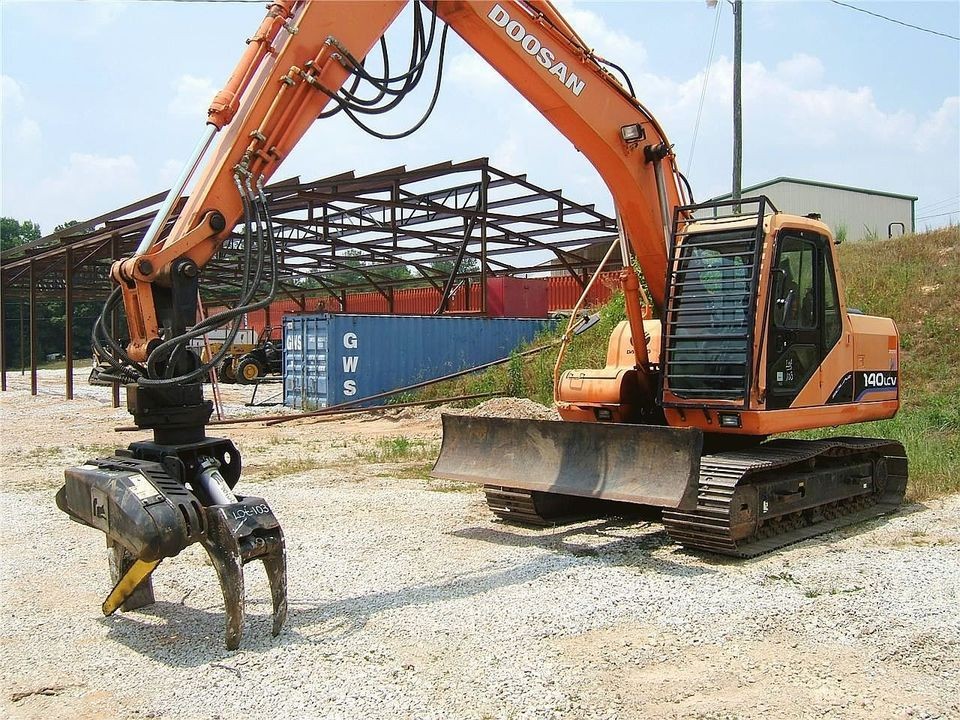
409	601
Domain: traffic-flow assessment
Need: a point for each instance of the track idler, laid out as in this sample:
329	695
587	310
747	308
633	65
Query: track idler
152	501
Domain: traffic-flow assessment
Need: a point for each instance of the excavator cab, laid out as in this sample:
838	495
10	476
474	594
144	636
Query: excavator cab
756	336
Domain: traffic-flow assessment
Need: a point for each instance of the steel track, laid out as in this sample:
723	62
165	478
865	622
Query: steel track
729	518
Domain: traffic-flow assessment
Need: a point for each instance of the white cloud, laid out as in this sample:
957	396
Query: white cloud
11	95
470	70
192	96
941	128
798	123
801	70
509	154
86	186
600	37
18	126
28	132
169	172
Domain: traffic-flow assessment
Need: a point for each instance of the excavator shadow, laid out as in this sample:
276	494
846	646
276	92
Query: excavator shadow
166	632
631	540
330	622
323	621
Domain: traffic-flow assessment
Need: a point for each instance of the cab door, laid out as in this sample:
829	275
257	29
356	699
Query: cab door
795	345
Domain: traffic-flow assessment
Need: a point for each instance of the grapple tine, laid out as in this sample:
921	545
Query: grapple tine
236	534
134	577
227	563
276	566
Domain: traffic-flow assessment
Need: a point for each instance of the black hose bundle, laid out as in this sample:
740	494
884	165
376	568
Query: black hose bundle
390	91
259	269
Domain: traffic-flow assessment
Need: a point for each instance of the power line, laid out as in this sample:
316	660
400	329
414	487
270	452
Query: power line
898	22
926	217
938	205
703	90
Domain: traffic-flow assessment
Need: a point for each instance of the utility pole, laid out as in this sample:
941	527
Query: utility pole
737	110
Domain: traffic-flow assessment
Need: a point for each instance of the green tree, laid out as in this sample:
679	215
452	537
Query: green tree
351	258
64	226
14	233
51	314
401	272
467	266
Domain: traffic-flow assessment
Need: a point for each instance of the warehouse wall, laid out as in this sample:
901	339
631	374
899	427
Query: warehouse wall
864	215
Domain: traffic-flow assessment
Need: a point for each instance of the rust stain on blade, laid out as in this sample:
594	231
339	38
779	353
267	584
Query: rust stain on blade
640	464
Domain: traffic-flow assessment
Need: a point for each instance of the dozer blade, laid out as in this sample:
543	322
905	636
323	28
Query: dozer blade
638	464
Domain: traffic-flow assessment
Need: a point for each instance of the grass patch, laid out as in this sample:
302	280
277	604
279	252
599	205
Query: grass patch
98	451
415	471
920	538
780	577
450	486
398	449
287	466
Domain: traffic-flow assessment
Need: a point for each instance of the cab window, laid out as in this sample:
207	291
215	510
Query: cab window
832	325
795	297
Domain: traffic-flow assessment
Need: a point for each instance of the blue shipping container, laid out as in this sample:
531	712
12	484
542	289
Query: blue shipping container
332	359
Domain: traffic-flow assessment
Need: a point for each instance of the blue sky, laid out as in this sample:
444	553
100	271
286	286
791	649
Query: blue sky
103	100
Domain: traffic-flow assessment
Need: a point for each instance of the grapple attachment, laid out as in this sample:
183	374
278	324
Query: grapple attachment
638	464
149	511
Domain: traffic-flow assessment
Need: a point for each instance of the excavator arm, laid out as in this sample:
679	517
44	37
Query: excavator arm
155	498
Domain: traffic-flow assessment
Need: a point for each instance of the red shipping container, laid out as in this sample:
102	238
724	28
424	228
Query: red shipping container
517	297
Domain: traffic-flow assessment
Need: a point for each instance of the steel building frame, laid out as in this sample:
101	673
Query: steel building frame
338	235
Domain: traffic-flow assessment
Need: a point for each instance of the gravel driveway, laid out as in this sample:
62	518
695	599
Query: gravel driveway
409	601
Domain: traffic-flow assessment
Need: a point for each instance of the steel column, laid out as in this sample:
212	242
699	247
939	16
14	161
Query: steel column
68	320
3	340
114	325
484	187
23	342
33	329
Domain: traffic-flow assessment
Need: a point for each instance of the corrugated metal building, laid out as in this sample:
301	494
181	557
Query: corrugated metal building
855	212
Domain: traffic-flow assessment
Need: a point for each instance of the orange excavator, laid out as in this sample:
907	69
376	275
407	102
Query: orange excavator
743	334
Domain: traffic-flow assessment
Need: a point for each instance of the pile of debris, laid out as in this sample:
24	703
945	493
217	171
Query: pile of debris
508	407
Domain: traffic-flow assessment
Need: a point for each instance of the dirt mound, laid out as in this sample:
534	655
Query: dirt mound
509	407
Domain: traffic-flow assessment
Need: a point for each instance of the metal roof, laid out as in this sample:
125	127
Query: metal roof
364	225
817	183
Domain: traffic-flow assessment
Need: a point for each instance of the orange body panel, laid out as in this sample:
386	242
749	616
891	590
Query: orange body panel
774	422
615	388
